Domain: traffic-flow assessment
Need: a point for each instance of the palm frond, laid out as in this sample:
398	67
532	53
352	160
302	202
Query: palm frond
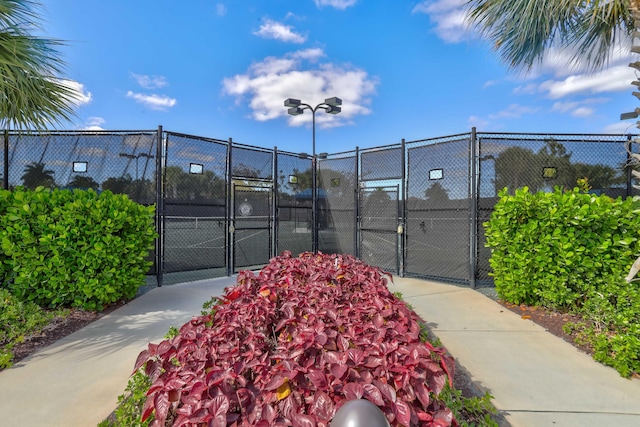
32	95
522	31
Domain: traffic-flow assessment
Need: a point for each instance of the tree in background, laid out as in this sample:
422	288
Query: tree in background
118	185
32	95
436	193
519	166
83	182
182	185
36	175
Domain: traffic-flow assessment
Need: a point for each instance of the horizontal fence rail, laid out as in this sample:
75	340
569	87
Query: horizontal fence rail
413	208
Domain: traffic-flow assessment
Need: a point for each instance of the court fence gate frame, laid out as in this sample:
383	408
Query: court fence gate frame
413	208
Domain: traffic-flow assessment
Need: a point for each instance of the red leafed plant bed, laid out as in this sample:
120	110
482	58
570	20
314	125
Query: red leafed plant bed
290	345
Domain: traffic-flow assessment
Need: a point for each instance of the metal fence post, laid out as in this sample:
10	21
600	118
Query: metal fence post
629	168
473	211
403	208
274	205
229	212
6	160
159	208
356	206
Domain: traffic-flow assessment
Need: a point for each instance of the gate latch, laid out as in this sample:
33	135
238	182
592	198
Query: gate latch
400	229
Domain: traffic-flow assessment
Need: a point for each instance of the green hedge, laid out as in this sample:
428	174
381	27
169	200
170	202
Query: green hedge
73	248
570	251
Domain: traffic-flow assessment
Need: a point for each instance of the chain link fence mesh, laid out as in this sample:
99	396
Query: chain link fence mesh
438	203
294	203
363	196
337	203
380	199
541	163
194	186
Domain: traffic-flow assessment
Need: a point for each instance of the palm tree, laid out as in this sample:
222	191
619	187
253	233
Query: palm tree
36	175
523	30
32	95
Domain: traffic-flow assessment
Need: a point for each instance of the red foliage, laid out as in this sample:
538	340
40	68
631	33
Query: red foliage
291	345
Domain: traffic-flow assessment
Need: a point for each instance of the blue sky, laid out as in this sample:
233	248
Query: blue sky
404	69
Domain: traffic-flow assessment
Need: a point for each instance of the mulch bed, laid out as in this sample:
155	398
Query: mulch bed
551	320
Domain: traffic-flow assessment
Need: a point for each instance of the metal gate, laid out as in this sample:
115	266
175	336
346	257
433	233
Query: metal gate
438	211
379	240
251	225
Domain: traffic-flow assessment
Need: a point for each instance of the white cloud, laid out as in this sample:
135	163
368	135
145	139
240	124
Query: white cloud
79	96
513	111
269	82
449	17
614	79
221	9
475	121
154	102
276	30
338	4
150	82
93	123
624	127
578	108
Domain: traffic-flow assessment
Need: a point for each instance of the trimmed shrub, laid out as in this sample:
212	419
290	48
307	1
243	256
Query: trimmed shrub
571	251
551	249
73	248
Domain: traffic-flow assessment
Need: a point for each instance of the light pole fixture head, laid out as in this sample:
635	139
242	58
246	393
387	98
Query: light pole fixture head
295	111
333	110
334	102
291	102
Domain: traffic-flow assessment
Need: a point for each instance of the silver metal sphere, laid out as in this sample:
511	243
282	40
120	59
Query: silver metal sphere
359	413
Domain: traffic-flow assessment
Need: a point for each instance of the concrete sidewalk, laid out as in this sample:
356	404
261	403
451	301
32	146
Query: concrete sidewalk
76	381
536	378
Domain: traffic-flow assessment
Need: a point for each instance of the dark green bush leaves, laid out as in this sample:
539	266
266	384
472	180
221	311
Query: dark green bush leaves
73	248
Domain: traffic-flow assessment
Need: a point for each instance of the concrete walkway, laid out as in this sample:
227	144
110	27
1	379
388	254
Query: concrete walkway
76	381
536	378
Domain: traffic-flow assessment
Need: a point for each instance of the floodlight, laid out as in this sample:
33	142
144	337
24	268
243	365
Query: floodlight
291	102
627	116
295	111
334	102
635	65
334	110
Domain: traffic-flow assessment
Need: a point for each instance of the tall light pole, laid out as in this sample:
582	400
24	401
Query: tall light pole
295	108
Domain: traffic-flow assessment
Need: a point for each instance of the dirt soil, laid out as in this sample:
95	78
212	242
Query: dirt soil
550	320
59	328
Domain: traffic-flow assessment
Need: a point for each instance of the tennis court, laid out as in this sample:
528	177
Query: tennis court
197	243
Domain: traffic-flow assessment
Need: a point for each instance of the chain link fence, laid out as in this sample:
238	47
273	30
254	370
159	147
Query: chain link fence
338	177
414	208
